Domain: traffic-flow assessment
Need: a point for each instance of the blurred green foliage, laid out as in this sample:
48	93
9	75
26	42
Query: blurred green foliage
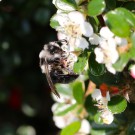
24	94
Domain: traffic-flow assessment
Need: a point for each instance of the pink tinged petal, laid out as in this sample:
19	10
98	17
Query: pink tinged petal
132	71
86	29
76	17
81	43
106	33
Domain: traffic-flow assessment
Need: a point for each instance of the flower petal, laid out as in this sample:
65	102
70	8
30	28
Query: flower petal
96	95
106	33
107	117
62	18
87	29
99	55
110	68
94	39
76	17
81	43
132	71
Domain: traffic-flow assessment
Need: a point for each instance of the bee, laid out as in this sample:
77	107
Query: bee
57	64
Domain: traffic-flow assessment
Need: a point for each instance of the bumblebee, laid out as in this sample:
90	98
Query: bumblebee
57	64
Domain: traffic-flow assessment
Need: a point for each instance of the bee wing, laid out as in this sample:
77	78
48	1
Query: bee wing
53	89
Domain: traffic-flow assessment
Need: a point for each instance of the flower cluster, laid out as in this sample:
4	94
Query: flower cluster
102	44
107	52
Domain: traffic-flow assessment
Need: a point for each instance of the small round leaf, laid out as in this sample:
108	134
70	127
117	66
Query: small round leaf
71	129
96	7
117	23
117	104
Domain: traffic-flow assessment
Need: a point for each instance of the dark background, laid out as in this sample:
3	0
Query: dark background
24	93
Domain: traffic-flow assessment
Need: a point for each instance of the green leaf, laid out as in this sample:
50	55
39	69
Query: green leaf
117	23
60	112
121	62
65	89
53	22
129	16
98	119
71	129
95	68
78	92
81	63
70	2
117	104
96	7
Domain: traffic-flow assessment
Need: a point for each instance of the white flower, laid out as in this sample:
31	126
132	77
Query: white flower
106	52
72	27
102	103
132	71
